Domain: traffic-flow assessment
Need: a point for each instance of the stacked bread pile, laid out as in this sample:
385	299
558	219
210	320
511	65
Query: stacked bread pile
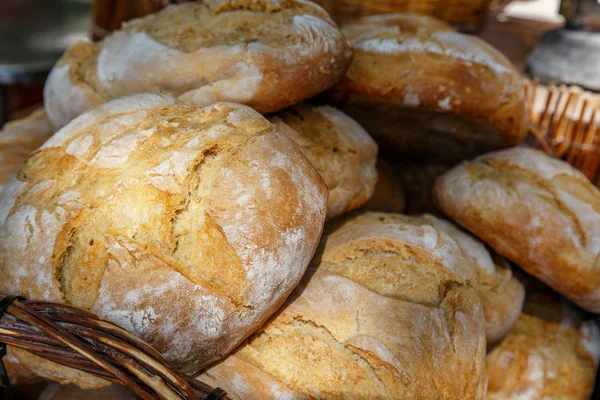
195	190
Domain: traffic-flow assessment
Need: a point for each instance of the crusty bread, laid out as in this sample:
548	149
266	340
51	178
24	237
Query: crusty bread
423	90
535	210
551	353
268	54
387	311
186	226
501	294
18	139
339	148
54	391
388	195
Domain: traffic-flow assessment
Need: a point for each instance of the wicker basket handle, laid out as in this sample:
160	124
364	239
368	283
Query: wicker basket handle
79	339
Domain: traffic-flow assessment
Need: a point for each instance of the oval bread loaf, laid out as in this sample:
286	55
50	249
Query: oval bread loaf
535	210
386	311
268	54
551	353
425	91
501	294
338	147
186	226
18	139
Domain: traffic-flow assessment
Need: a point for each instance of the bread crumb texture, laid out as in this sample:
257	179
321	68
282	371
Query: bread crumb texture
386	310
267	54
186	226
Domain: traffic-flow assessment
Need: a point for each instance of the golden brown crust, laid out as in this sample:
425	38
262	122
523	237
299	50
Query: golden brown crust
422	89
385	312
18	139
339	148
501	294
187	226
537	211
266	54
552	352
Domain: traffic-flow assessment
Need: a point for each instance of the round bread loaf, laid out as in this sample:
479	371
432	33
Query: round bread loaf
388	195
535	210
551	353
501	294
54	391
387	311
268	54
424	90
18	139
338	147
186	226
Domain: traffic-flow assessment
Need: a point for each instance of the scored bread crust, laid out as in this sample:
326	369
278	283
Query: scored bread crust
19	138
535	210
339	148
186	226
267	54
553	350
422	89
501	294
383	312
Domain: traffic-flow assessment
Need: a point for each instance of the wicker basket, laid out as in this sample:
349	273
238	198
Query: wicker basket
564	123
466	15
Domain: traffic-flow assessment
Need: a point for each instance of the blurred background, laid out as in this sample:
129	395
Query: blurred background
34	33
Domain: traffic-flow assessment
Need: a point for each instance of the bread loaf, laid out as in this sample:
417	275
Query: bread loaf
268	54
18	139
338	147
501	294
186	226
425	91
551	353
387	311
535	210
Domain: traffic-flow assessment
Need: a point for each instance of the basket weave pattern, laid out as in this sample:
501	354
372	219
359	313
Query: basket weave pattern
76	338
564	123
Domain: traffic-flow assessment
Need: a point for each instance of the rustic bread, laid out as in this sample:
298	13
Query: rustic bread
535	210
54	391
268	54
338	147
18	139
186	226
501	294
551	353
424	90
388	195
386	311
